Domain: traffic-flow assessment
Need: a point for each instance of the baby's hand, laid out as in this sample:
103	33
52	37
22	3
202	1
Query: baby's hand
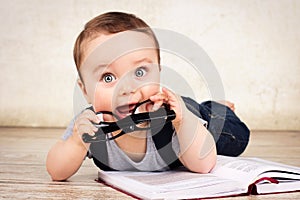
171	99
83	124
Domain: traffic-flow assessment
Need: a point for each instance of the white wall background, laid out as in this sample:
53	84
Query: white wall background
254	44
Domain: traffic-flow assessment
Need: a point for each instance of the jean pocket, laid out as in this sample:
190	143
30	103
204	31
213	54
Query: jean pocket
215	116
229	145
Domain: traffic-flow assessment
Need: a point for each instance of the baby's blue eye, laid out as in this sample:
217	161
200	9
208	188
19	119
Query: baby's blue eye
140	72
107	78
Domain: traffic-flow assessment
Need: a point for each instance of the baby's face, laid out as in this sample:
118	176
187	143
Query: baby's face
119	71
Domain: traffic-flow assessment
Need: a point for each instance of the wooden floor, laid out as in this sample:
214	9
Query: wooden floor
23	174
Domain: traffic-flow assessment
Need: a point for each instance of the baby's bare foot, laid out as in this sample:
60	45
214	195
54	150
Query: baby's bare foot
228	104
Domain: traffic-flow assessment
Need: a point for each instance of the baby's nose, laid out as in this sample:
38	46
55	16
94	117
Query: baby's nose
126	90
127	87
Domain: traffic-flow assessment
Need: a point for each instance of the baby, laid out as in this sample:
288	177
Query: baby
118	61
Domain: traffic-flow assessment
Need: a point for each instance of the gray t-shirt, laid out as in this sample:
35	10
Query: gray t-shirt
118	160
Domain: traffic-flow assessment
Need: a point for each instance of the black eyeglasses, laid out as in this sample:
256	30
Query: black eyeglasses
131	123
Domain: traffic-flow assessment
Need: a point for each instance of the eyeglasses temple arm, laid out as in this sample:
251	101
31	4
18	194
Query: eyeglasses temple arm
127	126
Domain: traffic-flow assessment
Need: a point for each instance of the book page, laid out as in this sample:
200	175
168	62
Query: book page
275	188
169	180
175	184
230	176
247	170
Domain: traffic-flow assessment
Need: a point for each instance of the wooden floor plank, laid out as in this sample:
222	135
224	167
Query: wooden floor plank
277	146
58	191
23	173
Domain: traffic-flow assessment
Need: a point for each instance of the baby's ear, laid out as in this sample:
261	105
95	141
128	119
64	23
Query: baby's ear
83	89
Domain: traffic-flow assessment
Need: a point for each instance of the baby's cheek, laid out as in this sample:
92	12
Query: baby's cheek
150	90
102	100
97	102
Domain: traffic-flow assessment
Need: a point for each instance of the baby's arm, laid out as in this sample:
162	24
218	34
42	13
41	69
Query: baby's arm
197	146
66	156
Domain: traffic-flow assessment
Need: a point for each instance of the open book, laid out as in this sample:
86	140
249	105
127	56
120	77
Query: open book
231	176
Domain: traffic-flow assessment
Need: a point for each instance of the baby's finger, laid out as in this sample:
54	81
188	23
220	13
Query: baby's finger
158	100
85	122
157	105
90	115
158	97
168	94
89	129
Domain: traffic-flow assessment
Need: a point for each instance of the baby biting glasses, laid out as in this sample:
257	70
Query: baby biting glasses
134	122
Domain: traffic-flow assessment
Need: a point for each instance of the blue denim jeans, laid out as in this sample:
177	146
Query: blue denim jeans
230	133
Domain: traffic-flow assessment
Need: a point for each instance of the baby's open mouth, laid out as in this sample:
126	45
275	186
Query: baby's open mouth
128	109
124	110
